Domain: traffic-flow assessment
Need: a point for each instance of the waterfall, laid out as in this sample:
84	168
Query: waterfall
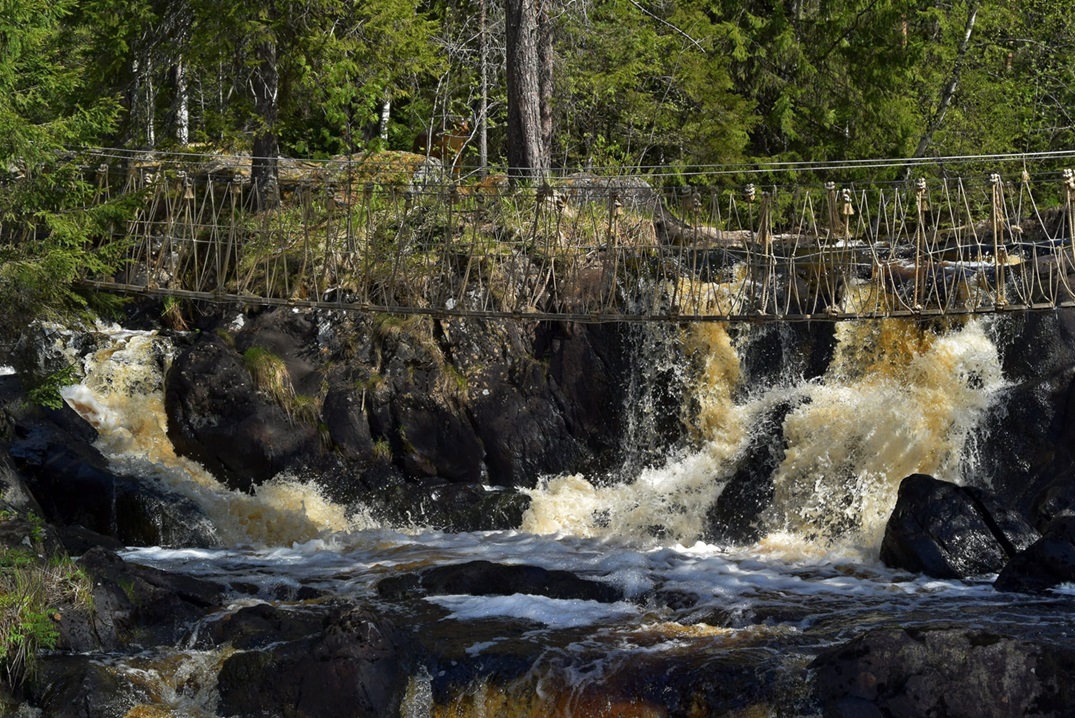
122	396
898	397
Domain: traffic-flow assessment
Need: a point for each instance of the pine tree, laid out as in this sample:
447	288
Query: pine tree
44	237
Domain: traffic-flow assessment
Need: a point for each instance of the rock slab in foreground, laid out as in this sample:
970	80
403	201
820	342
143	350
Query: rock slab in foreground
1046	563
897	672
354	668
949	531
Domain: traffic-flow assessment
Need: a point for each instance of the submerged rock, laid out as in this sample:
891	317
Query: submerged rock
945	672
737	515
485	578
1046	563
448	507
73	686
949	531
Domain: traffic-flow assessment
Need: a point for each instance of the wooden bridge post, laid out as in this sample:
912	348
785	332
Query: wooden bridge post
612	260
235	191
102	194
999	253
765	239
1069	206
922	205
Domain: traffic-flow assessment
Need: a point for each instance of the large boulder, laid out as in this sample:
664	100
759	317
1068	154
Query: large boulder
74	486
897	672
218	417
145	605
457	400
1047	562
1027	442
949	531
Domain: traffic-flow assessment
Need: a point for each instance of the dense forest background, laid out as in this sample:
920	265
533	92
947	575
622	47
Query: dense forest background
630	83
543	85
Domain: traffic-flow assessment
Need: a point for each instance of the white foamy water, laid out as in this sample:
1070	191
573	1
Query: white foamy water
684	606
122	396
896	400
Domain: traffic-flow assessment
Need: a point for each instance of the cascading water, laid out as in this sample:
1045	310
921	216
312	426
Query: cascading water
895	399
122	396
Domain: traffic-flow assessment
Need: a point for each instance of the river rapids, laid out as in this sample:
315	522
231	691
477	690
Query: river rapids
895	399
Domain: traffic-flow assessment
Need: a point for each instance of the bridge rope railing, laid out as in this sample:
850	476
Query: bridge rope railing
400	235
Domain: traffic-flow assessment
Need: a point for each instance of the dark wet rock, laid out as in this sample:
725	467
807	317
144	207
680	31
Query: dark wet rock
1028	439
1036	344
12	396
1047	562
944	672
262	625
520	424
463	401
586	372
1055	500
74	486
141	604
356	667
77	540
217	417
650	683
346	422
484	578
737	514
449	507
436	438
949	531
772	353
72	686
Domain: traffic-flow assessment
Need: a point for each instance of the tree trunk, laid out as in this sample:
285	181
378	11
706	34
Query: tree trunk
143	100
264	170
182	105
386	114
545	65
483	112
527	156
950	86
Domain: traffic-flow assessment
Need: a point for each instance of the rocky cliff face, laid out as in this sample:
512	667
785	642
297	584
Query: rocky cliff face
369	402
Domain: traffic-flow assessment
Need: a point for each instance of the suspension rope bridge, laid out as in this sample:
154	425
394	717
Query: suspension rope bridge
398	233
